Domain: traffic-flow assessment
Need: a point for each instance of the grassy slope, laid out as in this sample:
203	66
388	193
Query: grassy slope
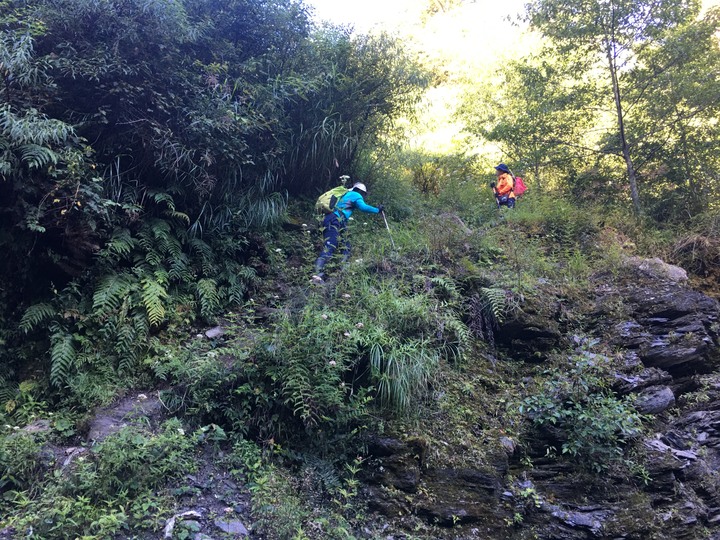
279	397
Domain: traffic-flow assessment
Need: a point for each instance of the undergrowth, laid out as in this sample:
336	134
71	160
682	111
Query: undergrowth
400	342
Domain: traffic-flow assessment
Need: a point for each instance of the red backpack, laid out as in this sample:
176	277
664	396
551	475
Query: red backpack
519	186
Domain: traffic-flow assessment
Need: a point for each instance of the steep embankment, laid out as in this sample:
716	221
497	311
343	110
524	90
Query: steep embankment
523	379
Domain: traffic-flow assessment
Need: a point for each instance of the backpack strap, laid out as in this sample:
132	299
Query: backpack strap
338	209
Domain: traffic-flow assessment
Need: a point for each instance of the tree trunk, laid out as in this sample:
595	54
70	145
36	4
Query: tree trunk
621	126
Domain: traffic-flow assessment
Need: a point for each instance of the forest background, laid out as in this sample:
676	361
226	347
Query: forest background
151	151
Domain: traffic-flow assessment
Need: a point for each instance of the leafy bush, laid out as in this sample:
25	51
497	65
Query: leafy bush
575	404
118	485
281	506
21	461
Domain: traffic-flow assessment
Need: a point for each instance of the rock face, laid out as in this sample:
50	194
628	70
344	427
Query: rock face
670	327
667	336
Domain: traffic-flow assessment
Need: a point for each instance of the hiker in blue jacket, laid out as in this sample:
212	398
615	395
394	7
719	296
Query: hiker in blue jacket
334	226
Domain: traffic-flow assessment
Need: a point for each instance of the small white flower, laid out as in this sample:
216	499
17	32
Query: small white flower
346	334
304	224
181	431
346	295
324	316
359	325
332	362
278	250
358	261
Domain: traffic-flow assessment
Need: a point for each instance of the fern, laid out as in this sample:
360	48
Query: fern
153	296
36	156
239	280
110	294
445	288
152	257
8	393
121	245
62	356
180	268
36	314
208	295
298	391
126	346
456	337
205	252
142	326
161	197
494	302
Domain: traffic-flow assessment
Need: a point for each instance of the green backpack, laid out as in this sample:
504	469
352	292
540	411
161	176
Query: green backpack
327	201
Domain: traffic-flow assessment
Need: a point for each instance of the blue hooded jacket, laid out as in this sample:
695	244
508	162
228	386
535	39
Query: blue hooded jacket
350	201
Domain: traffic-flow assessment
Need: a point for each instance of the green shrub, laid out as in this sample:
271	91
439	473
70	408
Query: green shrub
282	503
21	461
118	485
575	402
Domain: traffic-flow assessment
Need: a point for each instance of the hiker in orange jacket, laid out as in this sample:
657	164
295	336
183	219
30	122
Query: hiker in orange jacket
503	189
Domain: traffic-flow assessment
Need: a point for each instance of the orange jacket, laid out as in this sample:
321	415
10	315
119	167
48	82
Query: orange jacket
504	186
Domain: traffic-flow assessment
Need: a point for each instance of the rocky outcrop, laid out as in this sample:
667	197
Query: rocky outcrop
666	337
669	326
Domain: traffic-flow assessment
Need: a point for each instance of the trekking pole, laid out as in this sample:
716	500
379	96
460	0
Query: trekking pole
388	229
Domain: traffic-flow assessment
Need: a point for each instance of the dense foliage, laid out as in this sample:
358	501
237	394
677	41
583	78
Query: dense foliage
158	160
144	142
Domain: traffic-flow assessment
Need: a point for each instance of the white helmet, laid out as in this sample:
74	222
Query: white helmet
360	187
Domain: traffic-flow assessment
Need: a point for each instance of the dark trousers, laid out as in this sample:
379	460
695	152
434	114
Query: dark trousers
505	201
334	233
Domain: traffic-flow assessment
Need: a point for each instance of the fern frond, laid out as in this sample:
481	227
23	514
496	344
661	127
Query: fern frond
180	268
209	297
445	288
8	392
62	357
120	245
494	303
37	157
162	197
153	296
205	252
36	314
142	326
126	346
111	293
152	257
298	392
240	279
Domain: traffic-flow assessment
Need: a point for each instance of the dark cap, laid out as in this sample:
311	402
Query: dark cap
502	167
